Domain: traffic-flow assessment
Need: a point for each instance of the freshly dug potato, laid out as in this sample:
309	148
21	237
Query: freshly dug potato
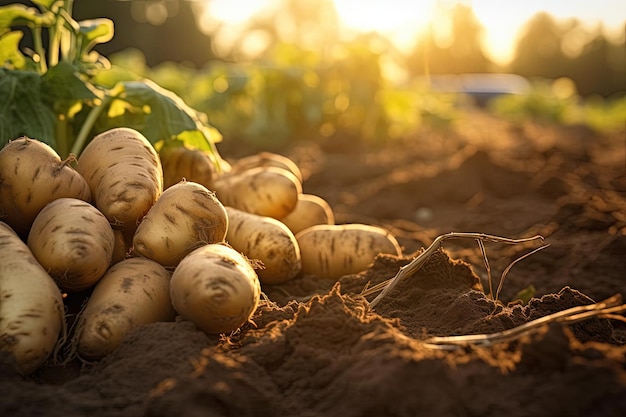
31	175
186	216
31	305
124	174
216	288
182	163
332	251
267	240
120	247
132	293
310	211
73	241
267	159
266	191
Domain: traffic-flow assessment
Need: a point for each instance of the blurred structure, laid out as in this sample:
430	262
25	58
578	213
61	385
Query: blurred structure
481	88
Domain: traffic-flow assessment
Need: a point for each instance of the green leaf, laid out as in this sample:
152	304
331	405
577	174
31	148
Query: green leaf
10	54
23	111
19	15
95	31
166	115
62	83
46	4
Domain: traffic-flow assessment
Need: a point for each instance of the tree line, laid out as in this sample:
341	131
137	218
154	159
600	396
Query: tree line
547	48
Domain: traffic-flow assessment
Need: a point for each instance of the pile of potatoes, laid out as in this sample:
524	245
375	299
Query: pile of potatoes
154	235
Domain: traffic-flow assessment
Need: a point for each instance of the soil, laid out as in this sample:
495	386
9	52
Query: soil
317	348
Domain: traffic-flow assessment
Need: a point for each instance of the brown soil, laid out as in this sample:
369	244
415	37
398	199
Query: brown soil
319	349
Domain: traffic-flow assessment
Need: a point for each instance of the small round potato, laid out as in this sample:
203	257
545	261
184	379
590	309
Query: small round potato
73	241
267	240
216	288
186	216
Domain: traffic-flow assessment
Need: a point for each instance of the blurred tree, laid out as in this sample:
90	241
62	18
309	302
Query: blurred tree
164	30
462	54
546	50
538	52
600	68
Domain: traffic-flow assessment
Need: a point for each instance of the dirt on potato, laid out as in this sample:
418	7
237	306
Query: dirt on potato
316	347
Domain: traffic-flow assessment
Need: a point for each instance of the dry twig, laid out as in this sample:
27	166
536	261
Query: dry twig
421	259
609	308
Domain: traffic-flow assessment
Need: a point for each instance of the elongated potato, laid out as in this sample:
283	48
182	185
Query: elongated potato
310	211
124	174
267	240
132	293
266	191
32	175
182	163
73	241
332	251
186	216
267	159
216	288
31	305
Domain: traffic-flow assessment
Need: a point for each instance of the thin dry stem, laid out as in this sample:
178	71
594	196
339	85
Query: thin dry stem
508	268
421	259
481	245
609	307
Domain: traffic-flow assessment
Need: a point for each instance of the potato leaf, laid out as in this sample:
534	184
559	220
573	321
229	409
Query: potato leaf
23	111
95	31
166	115
10	55
62	87
19	15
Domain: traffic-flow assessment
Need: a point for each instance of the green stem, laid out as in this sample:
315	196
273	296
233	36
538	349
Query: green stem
38	45
93	115
62	137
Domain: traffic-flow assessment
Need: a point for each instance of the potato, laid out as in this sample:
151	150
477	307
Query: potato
186	216
31	305
124	174
182	163
266	191
73	241
309	211
132	293
332	251
267	159
32	175
216	288
267	240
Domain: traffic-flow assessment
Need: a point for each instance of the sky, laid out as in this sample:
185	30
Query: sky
403	20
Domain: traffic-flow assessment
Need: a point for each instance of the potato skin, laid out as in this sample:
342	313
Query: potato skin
267	240
31	175
124	174
309	211
132	293
216	288
73	241
267	159
266	191
32	315
332	251
186	216
182	163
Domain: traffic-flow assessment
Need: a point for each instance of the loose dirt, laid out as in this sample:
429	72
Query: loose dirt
316	348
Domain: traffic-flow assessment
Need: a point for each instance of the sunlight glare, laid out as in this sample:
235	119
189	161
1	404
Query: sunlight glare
401	20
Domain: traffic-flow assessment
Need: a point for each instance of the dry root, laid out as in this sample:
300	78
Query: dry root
421	259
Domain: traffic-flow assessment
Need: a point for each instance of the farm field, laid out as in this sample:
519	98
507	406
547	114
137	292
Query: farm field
316	347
